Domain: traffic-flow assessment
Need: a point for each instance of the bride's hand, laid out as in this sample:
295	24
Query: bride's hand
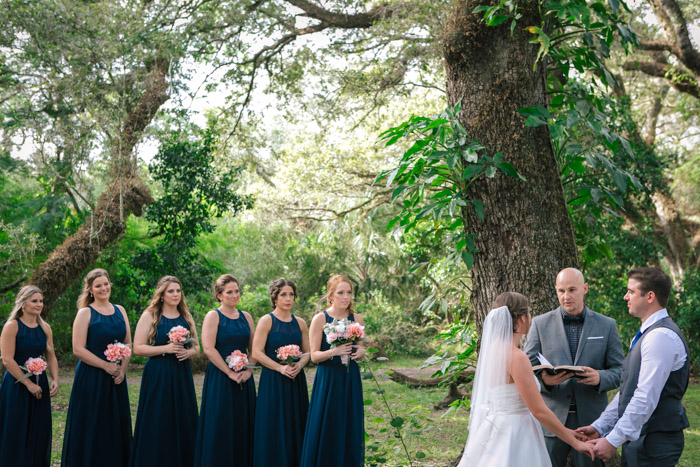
585	448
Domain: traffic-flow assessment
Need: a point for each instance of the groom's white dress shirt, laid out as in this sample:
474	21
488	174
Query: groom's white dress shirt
662	352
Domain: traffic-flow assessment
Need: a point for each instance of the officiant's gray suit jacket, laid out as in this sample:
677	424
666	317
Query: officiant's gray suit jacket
599	348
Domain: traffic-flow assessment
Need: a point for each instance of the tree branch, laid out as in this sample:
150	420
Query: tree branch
676	28
676	77
15	283
351	21
653	116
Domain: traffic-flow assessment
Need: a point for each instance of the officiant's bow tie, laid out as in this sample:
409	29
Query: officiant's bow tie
573	319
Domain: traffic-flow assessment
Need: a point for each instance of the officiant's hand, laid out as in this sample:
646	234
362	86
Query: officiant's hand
589	376
588	431
603	449
553	380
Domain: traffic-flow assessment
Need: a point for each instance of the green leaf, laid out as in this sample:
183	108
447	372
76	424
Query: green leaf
534	122
496	20
479	210
508	169
468	259
397	422
420	455
620	179
490	171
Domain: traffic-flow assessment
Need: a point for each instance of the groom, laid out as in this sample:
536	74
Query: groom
646	417
574	335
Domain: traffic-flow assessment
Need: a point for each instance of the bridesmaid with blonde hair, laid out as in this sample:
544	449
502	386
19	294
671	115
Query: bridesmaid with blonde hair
25	405
166	420
98	425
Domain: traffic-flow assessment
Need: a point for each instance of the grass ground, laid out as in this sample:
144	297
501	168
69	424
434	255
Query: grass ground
440	436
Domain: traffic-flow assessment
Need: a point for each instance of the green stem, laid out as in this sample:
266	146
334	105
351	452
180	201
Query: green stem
391	414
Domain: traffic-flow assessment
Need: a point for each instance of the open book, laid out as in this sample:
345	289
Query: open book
553	370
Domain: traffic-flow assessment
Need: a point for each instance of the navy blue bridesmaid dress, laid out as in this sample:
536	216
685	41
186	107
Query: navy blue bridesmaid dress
98	425
227	416
282	406
166	420
25	421
335	428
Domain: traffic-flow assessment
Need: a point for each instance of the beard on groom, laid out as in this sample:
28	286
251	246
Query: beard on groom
574	335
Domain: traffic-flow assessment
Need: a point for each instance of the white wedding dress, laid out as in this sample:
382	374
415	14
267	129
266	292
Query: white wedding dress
502	431
508	436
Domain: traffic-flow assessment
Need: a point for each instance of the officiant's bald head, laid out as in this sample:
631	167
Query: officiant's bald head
571	290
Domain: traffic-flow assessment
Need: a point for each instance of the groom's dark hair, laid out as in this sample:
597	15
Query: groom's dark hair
517	305
653	280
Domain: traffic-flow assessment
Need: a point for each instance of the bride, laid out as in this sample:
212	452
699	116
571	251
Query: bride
506	399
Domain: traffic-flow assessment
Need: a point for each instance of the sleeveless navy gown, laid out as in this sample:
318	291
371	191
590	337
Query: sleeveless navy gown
227	416
25	422
166	420
282	405
335	428
98	425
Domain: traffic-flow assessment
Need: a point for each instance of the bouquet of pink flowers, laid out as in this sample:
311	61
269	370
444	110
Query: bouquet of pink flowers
343	331
33	366
288	354
180	334
117	352
237	361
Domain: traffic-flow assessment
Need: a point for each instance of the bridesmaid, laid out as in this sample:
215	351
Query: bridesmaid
98	425
283	397
166	420
226	421
335	428
25	408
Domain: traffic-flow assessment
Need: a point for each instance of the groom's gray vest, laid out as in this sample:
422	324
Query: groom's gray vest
669	414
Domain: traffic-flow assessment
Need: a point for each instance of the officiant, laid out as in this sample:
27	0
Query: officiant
572	334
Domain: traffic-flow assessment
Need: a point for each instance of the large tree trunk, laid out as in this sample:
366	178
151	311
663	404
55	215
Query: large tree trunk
126	195
526	236
80	250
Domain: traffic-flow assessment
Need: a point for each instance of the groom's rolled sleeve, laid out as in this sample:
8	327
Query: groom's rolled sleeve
659	354
610	374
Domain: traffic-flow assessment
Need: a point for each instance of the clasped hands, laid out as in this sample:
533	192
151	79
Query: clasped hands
601	447
356	352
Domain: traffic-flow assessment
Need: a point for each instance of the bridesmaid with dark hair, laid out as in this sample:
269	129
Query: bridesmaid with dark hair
283	397
25	408
98	425
335	428
227	416
166	420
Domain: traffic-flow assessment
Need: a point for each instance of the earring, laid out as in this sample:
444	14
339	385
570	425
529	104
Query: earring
161	299
330	301
90	295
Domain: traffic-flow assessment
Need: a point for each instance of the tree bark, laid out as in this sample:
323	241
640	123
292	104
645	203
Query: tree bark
80	250
126	195
526	236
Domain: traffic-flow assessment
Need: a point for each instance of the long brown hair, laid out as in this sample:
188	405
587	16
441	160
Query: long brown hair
332	284
23	296
155	307
86	297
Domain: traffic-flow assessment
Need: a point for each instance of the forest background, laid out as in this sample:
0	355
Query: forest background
435	152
